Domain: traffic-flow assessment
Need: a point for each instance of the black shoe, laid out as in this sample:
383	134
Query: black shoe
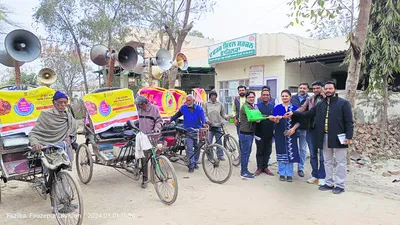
338	190
289	179
196	166
191	170
301	173
325	188
282	178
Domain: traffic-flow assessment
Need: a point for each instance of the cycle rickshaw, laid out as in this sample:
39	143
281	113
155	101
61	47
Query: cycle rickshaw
115	147
45	169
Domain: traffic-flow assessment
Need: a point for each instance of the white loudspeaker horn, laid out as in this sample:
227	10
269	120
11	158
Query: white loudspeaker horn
157	72
20	45
140	65
46	77
163	59
181	61
128	57
99	54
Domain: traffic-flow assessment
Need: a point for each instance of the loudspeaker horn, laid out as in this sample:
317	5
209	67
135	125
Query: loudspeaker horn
20	45
157	72
128	57
99	54
140	65
46	77
181	61
163	59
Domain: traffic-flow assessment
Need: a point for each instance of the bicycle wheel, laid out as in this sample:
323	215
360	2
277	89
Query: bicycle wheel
164	179
84	163
66	199
232	145
216	170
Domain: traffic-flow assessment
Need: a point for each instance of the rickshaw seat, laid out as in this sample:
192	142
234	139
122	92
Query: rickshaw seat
15	140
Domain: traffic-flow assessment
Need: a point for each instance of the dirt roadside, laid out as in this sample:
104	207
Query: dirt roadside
111	198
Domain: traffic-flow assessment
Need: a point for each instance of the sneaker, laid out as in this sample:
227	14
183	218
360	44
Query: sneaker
301	173
313	180
196	166
258	172
338	190
247	176
289	179
268	172
325	188
321	182
282	178
191	170
144	184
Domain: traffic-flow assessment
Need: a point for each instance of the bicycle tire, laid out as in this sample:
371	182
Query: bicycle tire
215	162
165	162
234	149
84	149
54	198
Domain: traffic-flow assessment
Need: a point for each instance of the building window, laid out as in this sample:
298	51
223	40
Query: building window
228	90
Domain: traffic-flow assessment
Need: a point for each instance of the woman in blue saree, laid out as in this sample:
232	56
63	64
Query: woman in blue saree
286	137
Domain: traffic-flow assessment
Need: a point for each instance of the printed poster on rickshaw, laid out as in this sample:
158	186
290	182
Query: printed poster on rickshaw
110	108
19	110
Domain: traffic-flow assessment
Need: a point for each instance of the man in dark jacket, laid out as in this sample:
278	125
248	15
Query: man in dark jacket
333	123
298	100
264	134
272	100
318	169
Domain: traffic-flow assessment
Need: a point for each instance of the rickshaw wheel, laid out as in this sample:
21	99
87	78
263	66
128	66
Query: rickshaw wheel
84	163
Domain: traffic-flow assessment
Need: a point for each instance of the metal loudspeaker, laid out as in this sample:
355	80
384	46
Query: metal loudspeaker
128	57
140	65
99	55
157	72
181	61
163	59
20	45
47	77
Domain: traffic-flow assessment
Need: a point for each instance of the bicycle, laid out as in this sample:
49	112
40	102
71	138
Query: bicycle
211	164
162	173
229	142
64	191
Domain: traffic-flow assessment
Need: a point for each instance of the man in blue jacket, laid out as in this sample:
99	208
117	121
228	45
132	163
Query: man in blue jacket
333	122
193	118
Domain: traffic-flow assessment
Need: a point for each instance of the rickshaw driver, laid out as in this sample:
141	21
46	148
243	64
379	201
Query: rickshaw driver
193	117
54	126
149	121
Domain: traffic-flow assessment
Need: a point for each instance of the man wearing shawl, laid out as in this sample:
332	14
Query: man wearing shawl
54	126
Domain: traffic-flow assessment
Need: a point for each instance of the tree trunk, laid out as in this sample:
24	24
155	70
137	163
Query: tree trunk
384	120
357	43
83	68
178	47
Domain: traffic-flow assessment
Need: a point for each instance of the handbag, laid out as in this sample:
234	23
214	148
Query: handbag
253	115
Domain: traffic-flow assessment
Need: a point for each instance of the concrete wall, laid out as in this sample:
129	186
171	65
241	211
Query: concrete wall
297	72
369	106
239	69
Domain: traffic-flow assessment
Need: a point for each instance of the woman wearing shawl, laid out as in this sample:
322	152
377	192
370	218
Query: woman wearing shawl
286	137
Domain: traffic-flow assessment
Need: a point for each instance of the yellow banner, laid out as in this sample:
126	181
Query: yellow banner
19	110
110	108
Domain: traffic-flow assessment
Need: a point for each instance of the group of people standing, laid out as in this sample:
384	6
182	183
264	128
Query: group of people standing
323	123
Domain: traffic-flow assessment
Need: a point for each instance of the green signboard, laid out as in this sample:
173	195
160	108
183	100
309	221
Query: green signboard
233	49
